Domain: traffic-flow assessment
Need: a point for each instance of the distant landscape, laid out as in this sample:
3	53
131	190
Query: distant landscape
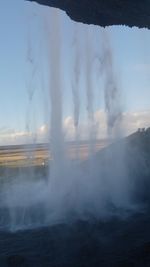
39	154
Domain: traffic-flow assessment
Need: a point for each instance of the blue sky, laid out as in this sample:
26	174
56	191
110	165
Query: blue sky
19	20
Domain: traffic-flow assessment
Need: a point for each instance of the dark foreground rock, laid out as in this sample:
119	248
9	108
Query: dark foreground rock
105	12
119	242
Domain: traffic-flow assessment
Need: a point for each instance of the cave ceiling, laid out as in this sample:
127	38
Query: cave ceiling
105	12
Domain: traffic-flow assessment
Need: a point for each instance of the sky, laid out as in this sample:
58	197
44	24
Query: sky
23	70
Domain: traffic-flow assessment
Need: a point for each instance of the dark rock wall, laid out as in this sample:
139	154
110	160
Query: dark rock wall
105	12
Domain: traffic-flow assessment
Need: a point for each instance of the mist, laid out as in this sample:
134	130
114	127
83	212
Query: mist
98	187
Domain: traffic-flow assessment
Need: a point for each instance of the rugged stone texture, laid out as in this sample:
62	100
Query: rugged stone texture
105	12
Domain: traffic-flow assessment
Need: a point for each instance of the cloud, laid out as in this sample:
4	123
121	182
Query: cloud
12	137
134	120
99	126
69	128
6	131
131	121
43	129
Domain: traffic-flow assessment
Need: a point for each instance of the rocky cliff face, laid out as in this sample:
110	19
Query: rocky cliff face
105	12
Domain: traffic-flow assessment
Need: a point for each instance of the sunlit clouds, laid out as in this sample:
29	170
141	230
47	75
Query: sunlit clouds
131	121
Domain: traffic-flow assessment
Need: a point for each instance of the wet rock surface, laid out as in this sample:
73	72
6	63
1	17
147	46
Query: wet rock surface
118	242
